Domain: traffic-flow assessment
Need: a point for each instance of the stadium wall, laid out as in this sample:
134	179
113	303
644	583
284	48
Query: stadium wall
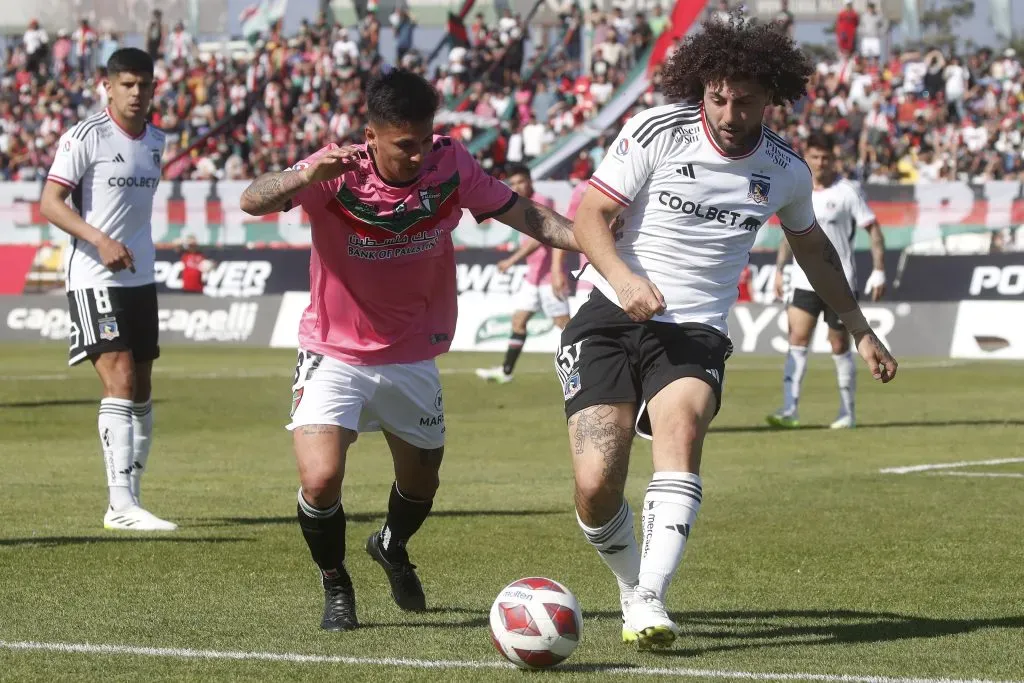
966	329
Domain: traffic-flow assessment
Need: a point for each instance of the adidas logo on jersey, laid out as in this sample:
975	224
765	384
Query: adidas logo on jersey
687	171
119	159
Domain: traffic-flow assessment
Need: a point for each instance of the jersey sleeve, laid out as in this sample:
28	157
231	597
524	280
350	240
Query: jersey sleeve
629	163
484	195
797	217
862	213
314	193
72	159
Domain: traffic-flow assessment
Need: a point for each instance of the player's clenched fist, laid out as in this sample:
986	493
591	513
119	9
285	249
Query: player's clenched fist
639	298
332	164
115	256
880	361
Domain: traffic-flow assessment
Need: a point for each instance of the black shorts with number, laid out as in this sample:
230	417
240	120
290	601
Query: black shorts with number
107	319
809	301
607	358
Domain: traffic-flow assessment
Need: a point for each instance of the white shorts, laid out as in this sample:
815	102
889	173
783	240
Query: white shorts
402	399
870	47
534	298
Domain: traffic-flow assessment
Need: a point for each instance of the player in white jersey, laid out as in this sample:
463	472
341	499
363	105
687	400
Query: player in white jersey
109	165
841	210
693	182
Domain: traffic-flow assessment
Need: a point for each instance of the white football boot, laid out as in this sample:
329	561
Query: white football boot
650	622
625	598
135	519
493	375
844	422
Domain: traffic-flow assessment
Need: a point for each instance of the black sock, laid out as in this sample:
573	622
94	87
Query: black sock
405	517
515	347
324	531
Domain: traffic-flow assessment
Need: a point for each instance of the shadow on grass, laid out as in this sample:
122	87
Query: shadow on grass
59	541
55	402
707	632
758	429
361	517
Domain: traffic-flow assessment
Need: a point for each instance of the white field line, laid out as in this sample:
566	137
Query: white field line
285	371
1014	475
188	653
947	465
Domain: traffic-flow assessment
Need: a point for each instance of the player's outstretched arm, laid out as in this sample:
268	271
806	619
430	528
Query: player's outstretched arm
819	259
540	223
875	286
274	191
53	206
526	247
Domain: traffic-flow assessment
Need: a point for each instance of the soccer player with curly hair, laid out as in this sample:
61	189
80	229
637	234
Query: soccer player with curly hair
693	182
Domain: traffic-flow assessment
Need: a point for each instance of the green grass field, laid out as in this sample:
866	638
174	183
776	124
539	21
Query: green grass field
806	559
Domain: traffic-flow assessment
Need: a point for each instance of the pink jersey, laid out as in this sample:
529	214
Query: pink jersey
382	268
538	264
574	204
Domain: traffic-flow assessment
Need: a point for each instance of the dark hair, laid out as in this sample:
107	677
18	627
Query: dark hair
400	96
130	60
518	169
730	52
822	141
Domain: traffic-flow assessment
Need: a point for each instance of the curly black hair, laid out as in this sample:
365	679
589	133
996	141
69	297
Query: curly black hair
730	52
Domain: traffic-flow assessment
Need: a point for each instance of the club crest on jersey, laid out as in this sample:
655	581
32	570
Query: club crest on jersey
759	187
429	197
622	149
156	157
108	330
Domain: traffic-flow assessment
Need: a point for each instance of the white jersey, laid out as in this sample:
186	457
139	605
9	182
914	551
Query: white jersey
113	177
840	209
692	213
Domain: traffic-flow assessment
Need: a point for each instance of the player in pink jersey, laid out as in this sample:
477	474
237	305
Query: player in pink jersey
546	288
382	306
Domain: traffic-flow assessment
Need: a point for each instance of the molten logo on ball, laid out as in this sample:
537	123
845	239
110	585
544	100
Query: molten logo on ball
536	623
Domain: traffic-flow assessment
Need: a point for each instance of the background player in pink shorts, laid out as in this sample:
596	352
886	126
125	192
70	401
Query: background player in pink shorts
546	288
383	304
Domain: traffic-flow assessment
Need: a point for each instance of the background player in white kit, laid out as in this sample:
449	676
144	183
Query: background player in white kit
545	290
693	182
841	209
110	165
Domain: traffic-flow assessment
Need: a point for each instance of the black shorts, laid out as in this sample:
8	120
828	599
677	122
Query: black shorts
607	358
107	319
809	301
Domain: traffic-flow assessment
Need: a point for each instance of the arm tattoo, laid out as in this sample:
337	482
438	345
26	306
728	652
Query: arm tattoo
612	441
271	191
544	225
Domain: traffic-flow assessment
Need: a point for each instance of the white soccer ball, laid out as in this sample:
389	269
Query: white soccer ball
536	623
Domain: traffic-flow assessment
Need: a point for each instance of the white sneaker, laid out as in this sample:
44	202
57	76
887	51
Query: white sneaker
844	422
650	622
135	519
493	375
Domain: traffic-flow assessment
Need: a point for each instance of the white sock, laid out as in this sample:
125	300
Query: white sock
793	377
670	509
616	543
846	375
115	425
142	429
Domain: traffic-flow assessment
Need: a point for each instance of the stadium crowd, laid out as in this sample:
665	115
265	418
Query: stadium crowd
900	117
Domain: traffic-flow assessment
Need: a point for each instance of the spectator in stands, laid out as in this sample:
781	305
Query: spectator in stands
155	36
194	266
37	45
873	26
846	28
783	19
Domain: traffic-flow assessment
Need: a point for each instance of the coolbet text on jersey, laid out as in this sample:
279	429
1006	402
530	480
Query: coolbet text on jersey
691	212
113	177
382	268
